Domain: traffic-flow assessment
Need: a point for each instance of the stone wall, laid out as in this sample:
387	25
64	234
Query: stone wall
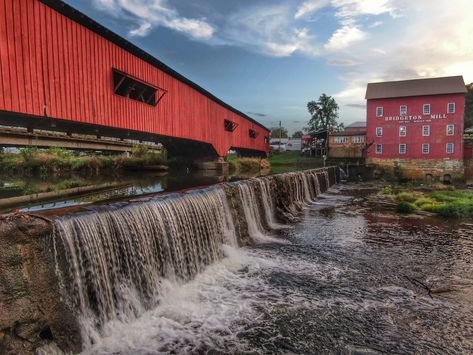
418	169
32	314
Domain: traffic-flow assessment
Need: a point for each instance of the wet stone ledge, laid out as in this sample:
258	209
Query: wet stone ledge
32	315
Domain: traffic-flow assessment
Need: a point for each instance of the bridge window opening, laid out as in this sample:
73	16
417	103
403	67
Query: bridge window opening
125	85
230	126
252	133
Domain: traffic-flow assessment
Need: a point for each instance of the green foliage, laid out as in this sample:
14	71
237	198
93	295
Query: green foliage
324	114
405	207
58	161
279	132
245	165
69	184
446	203
469	106
387	190
140	150
406	197
297	134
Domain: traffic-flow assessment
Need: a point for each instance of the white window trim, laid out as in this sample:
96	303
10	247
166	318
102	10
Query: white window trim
405	131
400	110
453	129
405	148
454	107
381	131
453	148
428	148
376	149
424	111
428	131
382	111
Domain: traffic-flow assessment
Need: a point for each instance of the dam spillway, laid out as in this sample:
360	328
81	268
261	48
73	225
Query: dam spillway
110	264
68	283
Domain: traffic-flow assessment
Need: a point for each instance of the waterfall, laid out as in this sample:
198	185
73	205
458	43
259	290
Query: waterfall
116	259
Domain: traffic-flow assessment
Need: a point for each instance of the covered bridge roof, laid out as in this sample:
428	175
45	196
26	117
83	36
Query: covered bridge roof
94	26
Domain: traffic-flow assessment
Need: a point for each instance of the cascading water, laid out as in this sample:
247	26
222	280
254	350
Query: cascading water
117	260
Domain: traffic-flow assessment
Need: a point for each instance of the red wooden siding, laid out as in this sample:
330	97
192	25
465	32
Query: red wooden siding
51	65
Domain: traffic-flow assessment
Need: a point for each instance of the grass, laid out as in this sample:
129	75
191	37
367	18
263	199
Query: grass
447	203
291	161
245	165
57	161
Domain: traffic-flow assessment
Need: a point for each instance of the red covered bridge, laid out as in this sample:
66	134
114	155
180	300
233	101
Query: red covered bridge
60	70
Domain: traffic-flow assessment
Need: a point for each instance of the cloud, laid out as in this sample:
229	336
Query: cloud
362	106
309	7
344	37
257	114
141	31
147	14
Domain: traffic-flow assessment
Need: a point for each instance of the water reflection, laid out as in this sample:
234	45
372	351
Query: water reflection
109	188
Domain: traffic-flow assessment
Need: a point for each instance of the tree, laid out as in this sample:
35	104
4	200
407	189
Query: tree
279	132
297	134
469	106
324	114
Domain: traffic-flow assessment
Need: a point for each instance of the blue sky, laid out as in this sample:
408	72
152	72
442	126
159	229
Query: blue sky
268	58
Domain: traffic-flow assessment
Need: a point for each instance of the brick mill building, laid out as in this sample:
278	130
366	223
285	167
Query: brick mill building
415	127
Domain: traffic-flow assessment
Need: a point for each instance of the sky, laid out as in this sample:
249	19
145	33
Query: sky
268	58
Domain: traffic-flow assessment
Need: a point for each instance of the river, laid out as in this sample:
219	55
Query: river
348	278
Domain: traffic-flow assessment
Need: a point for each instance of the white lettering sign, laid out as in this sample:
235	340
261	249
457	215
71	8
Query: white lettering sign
416	118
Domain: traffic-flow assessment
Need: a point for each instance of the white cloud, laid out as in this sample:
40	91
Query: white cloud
153	13
269	30
197	28
141	31
344	37
309	7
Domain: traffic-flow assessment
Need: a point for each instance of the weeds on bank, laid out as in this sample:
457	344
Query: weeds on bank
57	161
442	200
245	165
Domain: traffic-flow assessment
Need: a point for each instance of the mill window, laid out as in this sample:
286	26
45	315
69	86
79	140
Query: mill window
426	130
450	130
450	148
379	111
426	109
402	149
425	148
451	107
402	131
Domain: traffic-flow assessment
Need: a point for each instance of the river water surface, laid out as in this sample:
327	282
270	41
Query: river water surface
348	278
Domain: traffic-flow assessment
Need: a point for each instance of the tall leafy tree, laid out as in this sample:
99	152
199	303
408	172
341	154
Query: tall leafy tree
324	114
297	134
469	107
279	132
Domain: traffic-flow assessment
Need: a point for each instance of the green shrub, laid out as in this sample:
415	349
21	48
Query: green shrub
405	207
387	190
406	197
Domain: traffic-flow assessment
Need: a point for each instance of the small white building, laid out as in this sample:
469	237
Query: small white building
286	144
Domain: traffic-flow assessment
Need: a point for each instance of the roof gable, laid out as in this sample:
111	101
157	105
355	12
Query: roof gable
416	87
